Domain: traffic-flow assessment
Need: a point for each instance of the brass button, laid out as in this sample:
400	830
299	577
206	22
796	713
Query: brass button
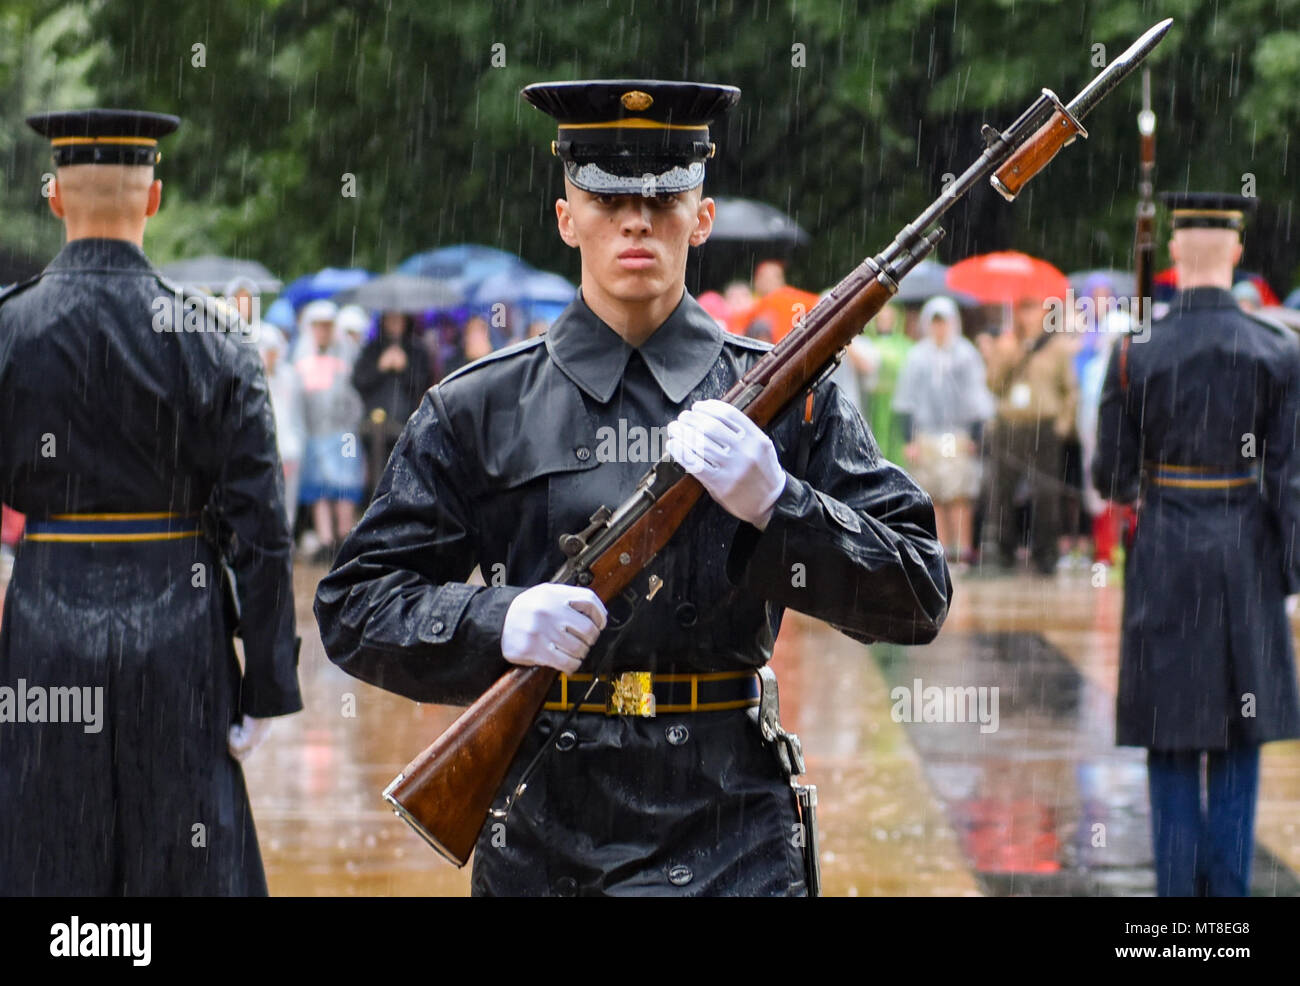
677	734
583	453
680	875
566	741
438	626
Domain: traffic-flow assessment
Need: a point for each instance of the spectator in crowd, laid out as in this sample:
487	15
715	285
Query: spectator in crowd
350	328
290	412
717	306
769	276
740	302
333	473
941	402
879	356
245	295
1098	328
391	375
475	343
1032	379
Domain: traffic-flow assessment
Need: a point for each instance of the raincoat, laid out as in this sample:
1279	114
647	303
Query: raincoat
1202	434
109	405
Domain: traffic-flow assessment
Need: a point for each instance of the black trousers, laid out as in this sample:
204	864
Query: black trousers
1029	452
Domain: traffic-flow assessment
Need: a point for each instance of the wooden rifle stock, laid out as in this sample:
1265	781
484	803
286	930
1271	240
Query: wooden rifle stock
446	793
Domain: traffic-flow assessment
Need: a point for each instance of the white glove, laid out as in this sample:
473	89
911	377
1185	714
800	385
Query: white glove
246	735
732	457
552	625
1290	604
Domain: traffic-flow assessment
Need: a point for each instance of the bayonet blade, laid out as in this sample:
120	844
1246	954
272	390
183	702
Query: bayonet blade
1118	70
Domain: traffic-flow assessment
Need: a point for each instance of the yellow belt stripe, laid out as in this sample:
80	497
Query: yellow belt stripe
169	536
1204	483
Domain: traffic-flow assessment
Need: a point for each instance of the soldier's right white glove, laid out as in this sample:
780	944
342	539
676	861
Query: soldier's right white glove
1290	604
246	735
552	625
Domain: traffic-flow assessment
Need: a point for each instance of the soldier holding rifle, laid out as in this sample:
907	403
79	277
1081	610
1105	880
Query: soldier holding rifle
660	783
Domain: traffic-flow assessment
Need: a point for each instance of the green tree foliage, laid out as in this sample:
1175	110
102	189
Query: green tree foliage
852	113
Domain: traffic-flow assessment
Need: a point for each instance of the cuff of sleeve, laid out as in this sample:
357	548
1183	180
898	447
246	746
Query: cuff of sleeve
481	621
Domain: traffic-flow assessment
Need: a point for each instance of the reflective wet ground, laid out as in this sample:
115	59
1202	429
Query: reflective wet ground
1043	804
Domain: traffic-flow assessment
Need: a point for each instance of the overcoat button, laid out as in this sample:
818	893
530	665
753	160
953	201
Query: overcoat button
566	886
677	734
567	740
583	453
686	614
680	875
438	626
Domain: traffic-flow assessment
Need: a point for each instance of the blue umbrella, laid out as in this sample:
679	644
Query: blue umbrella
523	288
465	264
324	284
281	313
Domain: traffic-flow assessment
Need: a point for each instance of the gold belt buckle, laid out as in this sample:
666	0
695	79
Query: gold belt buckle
631	694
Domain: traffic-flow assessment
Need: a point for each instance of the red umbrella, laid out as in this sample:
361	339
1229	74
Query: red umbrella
1006	277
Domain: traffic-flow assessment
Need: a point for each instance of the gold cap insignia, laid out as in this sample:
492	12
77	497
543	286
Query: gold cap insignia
636	100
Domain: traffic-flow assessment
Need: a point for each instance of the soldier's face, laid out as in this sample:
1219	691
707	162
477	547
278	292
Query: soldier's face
634	246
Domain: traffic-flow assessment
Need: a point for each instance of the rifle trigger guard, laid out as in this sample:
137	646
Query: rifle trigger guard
622	607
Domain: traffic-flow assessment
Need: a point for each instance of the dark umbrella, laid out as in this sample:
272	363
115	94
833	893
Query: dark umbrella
926	280
745	220
400	293
214	273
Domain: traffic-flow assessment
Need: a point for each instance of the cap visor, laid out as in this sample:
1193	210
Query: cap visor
595	179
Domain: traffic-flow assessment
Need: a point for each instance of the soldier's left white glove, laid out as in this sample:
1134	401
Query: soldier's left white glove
732	457
246	735
1290	604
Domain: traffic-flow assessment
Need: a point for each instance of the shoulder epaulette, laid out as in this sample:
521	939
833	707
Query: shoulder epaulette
503	353
745	342
18	287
